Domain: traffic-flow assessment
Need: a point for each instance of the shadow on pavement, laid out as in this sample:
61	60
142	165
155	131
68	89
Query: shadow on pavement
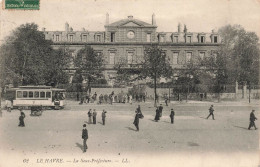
129	128
152	120
79	146
100	123
202	117
240	127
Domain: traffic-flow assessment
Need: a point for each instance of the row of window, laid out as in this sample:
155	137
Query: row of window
161	38
176	57
33	94
71	38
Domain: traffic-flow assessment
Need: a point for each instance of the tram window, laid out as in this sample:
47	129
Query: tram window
48	94
30	94
19	94
25	94
36	94
42	94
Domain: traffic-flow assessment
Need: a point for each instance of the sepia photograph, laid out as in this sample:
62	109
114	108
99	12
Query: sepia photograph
129	83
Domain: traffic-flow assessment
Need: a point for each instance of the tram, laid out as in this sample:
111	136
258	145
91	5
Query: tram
29	96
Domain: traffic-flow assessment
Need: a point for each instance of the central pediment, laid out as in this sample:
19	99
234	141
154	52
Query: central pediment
131	24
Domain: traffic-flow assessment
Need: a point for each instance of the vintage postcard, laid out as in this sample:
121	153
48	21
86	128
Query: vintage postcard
132	83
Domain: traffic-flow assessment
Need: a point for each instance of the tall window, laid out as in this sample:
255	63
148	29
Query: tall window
148	37
188	57
57	38
112	37
71	38
175	57
112	57
130	57
84	38
202	55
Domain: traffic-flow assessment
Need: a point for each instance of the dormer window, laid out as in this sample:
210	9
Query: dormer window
98	38
162	38
215	39
112	37
71	38
148	37
84	38
202	39
57	38
176	39
188	39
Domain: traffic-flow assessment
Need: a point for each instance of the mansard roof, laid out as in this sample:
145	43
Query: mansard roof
130	22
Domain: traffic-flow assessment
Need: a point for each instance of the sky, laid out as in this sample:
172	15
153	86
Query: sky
198	15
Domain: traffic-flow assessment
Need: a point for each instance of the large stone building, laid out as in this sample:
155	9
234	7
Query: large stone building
127	38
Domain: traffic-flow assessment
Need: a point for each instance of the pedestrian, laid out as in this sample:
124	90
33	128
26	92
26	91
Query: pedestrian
95	96
84	137
157	114
101	99
77	96
21	119
94	116
252	120
136	121
90	116
160	109
104	117
111	99
172	116
166	100
211	110
138	109
144	98
130	99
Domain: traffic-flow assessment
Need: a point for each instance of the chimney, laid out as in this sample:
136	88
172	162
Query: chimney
130	17
66	26
153	20
185	30
43	29
71	29
83	29
107	19
179	28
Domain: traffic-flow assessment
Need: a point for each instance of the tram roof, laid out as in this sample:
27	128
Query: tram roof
37	87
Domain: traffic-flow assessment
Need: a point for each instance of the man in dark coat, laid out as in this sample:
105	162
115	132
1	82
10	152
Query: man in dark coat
94	116
104	117
90	116
160	109
84	137
136	121
172	116
157	114
21	119
211	110
252	120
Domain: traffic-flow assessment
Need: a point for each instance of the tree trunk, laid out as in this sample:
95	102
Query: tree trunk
89	88
249	98
155	94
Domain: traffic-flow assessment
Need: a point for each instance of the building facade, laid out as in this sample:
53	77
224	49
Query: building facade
126	40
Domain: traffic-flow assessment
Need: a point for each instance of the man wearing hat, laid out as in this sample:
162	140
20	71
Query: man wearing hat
84	137
172	116
252	120
211	110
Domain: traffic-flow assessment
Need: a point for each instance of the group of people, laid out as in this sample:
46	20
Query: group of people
92	116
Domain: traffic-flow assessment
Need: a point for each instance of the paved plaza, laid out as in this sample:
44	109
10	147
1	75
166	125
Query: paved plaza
191	141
